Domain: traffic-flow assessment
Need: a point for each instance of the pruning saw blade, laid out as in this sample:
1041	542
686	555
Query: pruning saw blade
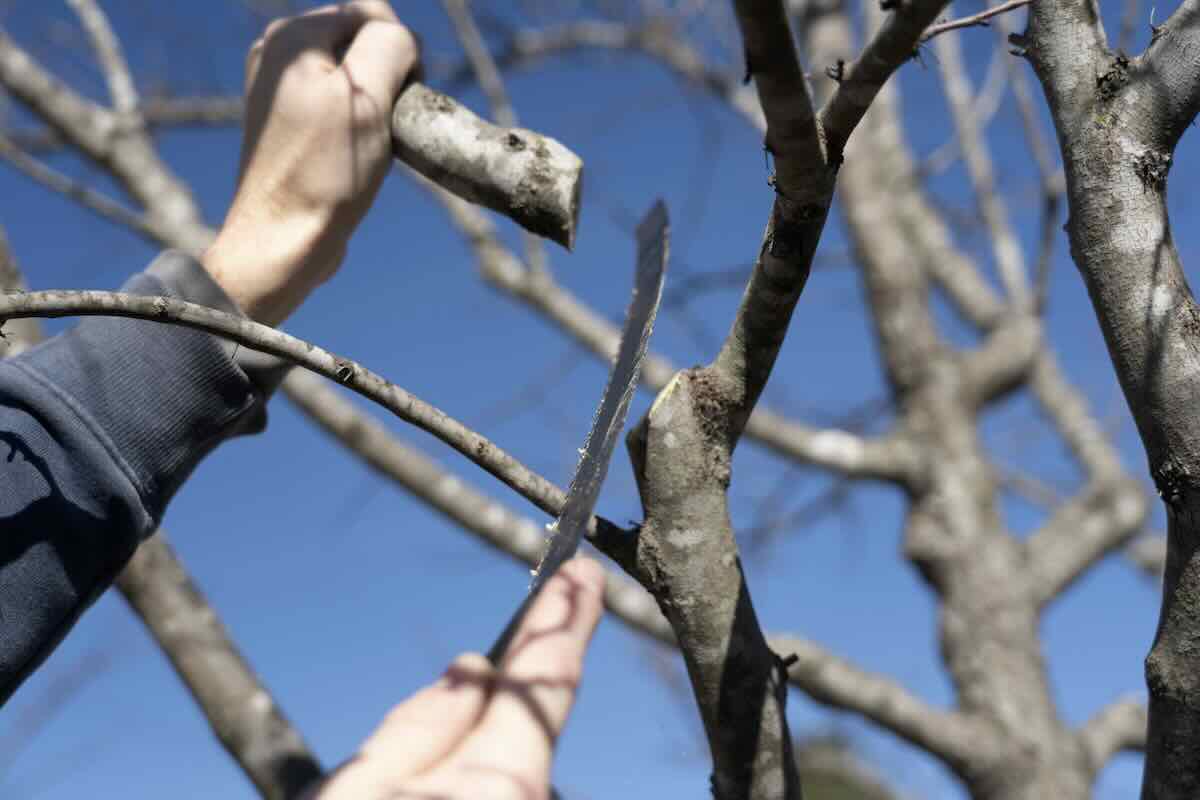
568	530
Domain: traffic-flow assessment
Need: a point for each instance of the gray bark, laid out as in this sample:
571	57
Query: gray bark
1118	121
243	714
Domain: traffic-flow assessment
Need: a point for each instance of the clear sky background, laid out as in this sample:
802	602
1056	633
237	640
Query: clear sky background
347	594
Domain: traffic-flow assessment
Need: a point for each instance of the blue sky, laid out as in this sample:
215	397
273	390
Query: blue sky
347	595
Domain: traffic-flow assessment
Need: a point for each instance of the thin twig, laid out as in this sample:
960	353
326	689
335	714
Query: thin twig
1006	248
482	64
89	198
124	151
983	109
892	45
490	80
975	19
157	112
513	473
108	54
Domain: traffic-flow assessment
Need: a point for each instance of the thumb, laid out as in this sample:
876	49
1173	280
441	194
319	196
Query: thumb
380	60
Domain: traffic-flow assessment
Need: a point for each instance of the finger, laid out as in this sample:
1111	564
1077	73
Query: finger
332	27
319	35
425	728
380	59
538	680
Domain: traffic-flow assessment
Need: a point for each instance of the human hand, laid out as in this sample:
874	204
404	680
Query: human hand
316	146
484	733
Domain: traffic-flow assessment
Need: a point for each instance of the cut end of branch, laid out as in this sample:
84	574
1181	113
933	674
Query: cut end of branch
532	179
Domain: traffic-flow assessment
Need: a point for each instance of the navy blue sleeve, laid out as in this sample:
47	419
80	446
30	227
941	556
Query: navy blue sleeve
98	428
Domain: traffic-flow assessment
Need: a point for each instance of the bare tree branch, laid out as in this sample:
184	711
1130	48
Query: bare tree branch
108	54
242	713
831	768
530	178
106	138
156	112
1104	516
982	109
656	39
21	334
1169	70
263	338
988	618
1005	248
486	73
1145	307
687	554
1149	554
1005	738
803	182
1051	175
771	60
1115	728
150	228
1002	363
824	677
1066	408
887	458
516	536
974	19
1069	38
1068	411
819	674
894	43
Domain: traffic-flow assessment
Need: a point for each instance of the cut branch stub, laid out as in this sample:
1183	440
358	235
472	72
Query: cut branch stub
532	179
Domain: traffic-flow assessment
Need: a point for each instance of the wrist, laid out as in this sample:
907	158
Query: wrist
267	269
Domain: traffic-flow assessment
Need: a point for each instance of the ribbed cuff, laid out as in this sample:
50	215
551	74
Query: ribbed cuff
186	279
159	397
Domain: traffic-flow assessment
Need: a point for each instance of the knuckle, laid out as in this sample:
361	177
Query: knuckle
406	41
373	8
470	666
396	38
